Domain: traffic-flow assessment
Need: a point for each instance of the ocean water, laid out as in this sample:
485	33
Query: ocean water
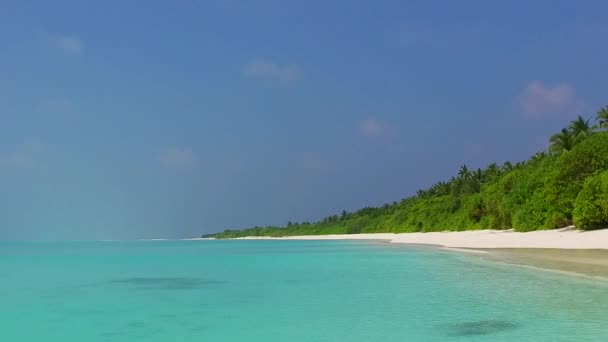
285	291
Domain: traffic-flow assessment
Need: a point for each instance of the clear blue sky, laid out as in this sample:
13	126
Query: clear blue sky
128	119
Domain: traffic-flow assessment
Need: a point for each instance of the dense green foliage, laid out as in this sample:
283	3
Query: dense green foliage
566	185
591	206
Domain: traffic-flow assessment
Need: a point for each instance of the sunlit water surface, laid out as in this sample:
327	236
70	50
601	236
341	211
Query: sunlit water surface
285	291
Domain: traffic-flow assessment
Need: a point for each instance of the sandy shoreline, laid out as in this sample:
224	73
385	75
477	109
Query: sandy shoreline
567	250
566	238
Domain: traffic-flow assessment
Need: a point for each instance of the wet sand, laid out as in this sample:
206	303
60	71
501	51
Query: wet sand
590	262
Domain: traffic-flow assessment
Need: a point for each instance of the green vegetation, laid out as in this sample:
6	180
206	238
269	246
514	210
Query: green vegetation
591	206
566	185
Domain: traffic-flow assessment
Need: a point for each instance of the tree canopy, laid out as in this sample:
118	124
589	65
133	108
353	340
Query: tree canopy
568	185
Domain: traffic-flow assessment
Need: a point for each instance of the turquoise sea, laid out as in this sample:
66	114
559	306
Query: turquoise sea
285	291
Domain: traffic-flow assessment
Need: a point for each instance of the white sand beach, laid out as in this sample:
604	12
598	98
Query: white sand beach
564	250
565	238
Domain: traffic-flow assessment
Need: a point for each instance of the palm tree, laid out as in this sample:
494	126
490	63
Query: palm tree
442	188
580	129
493	168
492	171
563	141
478	176
602	117
464	172
538	157
455	185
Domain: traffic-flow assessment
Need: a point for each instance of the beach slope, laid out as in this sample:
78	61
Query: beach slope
565	238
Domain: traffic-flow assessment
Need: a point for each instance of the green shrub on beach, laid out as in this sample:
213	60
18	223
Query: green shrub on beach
591	206
567	183
574	167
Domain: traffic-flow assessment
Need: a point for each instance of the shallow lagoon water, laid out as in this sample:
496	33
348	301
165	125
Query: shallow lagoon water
285	291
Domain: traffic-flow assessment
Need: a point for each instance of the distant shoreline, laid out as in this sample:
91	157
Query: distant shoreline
565	238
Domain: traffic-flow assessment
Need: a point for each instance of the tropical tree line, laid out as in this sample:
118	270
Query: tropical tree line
577	131
565	185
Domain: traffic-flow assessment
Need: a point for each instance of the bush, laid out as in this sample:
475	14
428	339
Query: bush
573	167
475	208
591	207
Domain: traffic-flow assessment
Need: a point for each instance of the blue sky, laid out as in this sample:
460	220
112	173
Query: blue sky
129	119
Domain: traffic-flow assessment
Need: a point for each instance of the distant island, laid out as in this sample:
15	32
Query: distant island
565	185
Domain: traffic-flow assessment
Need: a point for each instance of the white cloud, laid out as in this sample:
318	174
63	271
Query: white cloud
371	127
261	68
25	157
66	43
177	158
539	99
